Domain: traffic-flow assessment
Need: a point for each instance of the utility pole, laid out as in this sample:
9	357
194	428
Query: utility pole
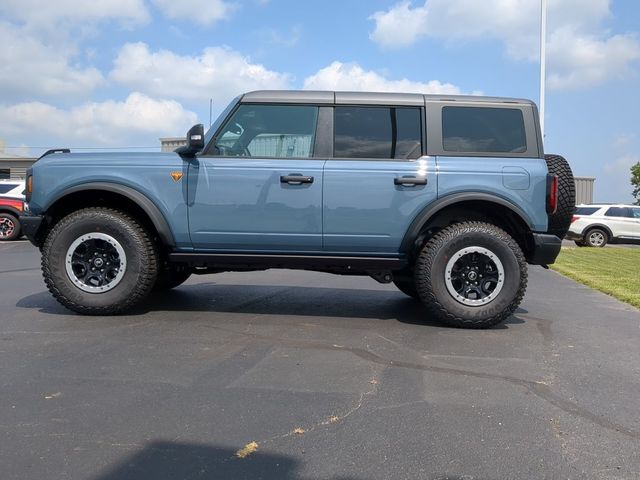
210	111
543	55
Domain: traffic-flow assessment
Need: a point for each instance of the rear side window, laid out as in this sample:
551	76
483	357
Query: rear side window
586	210
483	130
7	187
618	212
377	132
636	213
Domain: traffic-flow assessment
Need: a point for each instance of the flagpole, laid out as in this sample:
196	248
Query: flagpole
543	55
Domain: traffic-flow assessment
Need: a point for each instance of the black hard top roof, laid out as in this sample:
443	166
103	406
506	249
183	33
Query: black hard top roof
366	98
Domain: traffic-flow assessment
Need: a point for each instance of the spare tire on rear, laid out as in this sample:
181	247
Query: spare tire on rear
560	221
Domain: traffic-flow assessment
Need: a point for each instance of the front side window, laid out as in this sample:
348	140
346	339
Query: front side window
378	132
279	131
483	130
636	213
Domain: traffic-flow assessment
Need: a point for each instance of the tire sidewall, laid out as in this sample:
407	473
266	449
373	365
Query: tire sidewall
512	273
123	232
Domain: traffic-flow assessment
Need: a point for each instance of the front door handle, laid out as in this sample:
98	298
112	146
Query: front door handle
295	179
409	181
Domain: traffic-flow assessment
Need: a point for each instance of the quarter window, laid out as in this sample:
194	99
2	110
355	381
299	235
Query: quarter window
483	130
269	131
377	132
586	210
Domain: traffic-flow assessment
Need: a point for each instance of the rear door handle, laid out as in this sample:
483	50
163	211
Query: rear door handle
295	179
409	181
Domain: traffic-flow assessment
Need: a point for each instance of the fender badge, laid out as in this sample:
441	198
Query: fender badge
176	176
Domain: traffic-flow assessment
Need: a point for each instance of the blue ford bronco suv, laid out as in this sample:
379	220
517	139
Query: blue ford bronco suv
448	197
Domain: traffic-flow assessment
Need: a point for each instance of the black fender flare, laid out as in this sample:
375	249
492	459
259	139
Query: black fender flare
430	210
150	208
11	211
597	225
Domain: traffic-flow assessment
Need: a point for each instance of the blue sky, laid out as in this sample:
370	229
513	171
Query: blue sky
121	73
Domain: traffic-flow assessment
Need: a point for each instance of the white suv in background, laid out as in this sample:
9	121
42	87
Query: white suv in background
12	189
595	225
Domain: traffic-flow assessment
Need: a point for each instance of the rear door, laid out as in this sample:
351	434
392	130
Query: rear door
261	189
378	180
489	148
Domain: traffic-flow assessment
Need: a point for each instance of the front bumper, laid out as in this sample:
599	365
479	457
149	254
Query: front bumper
30	225
546	248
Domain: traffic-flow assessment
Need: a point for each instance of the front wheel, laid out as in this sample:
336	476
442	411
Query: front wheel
99	261
471	275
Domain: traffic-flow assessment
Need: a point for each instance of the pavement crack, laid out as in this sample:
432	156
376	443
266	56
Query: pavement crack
299	431
540	389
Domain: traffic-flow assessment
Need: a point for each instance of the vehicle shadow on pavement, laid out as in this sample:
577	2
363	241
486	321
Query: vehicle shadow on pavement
277	301
163	460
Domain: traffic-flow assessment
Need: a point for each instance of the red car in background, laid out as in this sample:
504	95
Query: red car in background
11	206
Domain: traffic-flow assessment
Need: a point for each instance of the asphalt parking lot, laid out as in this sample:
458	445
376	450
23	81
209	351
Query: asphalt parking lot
332	377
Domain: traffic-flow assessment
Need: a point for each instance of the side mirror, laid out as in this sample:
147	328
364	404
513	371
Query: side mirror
195	141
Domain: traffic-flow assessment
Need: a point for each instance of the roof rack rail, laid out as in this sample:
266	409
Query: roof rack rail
54	150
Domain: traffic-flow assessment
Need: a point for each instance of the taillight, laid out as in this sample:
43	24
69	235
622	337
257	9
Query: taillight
552	193
574	218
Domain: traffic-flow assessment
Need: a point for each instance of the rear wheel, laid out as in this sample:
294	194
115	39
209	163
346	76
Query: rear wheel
560	221
596	237
471	275
9	227
99	261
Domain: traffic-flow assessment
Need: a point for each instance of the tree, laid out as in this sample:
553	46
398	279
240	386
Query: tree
635	182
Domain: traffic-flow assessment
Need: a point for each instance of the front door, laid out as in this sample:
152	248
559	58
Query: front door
260	190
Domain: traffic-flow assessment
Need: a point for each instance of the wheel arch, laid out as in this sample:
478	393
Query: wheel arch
114	195
10	210
601	226
468	206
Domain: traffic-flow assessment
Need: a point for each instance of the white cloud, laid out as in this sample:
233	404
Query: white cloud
205	12
580	52
137	120
577	60
29	67
351	76
219	73
48	13
622	164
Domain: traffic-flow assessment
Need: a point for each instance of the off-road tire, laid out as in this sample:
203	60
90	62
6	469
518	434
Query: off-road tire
430	271
170	277
591	235
141	261
406	284
7	217
560	221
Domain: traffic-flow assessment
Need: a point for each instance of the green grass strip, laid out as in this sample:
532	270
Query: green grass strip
615	271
